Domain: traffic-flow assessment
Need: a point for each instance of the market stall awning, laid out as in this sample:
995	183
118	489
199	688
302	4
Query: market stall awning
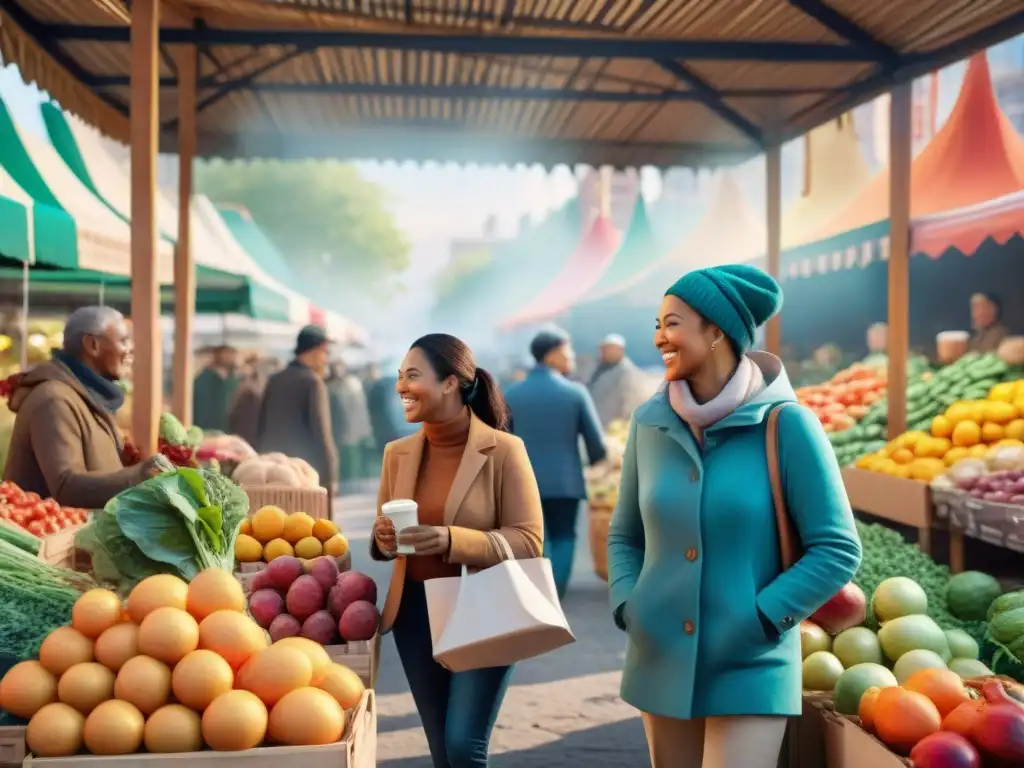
83	151
581	272
835	172
85	233
517	269
15	221
976	156
966	229
638	252
598	82
729	232
268	257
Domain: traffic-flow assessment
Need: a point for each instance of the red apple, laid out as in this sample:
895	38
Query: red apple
847	608
945	750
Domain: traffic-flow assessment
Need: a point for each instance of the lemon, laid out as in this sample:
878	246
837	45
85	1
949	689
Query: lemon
1003	393
941	427
336	546
1015	429
277	548
959	411
953	455
247	549
309	547
1000	413
903	455
323	529
268	523
298	526
991	432
966	433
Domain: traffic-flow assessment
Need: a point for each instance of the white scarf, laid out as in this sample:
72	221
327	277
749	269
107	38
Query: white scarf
745	382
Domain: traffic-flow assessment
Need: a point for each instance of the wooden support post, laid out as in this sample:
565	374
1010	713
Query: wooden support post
773	198
184	263
147	398
900	151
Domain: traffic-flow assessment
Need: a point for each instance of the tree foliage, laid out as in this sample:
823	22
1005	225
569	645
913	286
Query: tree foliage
328	220
463	263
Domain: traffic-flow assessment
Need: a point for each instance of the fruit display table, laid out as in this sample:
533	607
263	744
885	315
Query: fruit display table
907	502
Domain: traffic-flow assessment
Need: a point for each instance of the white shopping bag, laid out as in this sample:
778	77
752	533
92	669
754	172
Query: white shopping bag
497	616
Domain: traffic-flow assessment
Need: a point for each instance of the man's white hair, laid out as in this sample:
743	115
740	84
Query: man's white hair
88	321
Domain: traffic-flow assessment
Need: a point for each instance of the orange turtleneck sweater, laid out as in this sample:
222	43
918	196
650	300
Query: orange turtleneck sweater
442	453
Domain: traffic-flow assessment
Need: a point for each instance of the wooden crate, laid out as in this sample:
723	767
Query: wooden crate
847	745
313	501
59	548
357	749
907	502
362	657
12	745
600	517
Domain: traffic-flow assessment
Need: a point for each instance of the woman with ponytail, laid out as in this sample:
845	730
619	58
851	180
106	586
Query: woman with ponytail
469	477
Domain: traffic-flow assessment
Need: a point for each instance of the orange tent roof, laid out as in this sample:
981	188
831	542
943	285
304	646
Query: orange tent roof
977	156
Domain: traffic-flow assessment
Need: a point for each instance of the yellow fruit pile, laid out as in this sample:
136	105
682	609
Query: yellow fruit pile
969	428
272	533
178	668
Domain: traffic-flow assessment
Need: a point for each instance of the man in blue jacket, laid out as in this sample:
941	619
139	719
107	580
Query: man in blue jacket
550	414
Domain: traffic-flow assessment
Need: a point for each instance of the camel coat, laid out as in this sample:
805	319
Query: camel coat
494	489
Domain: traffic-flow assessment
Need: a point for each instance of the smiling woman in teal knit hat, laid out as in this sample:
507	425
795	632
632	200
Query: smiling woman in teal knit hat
713	655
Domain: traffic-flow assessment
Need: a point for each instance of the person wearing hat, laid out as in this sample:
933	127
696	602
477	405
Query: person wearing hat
713	656
295	415
550	414
617	385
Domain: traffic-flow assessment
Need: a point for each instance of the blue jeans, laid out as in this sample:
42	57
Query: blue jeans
560	538
458	709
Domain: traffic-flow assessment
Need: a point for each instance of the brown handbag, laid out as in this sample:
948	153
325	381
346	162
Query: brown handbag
789	541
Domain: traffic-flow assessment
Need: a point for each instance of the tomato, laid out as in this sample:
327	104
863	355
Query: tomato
52	527
36	528
33	497
5	513
19	517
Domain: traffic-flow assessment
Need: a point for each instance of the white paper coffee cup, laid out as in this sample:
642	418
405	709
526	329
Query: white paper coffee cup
403	513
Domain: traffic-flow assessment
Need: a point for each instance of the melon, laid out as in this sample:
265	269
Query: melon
854	681
961	645
898	596
1007	626
911	661
813	638
970	594
857	645
820	671
968	668
911	633
1006	602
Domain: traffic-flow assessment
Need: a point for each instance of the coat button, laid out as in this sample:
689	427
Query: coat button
787	622
694	476
688	627
691	554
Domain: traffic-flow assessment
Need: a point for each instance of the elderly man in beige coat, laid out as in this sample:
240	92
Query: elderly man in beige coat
617	385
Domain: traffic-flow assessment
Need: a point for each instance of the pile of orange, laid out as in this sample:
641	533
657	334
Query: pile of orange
272	533
176	668
967	429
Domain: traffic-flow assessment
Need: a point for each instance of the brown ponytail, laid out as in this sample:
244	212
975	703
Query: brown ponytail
450	356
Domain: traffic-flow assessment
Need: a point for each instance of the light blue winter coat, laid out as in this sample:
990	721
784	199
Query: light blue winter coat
693	554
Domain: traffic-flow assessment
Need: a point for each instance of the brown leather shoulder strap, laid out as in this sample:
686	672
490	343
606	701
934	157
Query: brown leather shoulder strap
789	546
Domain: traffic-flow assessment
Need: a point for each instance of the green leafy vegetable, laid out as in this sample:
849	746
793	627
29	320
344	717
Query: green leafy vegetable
180	522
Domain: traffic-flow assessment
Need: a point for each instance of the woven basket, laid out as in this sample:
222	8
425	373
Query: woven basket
600	518
313	501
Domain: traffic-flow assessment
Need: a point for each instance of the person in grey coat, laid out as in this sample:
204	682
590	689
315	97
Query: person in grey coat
618	386
295	416
550	413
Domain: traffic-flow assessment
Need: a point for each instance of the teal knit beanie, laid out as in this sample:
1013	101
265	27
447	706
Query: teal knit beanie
738	298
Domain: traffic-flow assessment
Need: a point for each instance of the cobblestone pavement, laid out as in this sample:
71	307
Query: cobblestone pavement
563	709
